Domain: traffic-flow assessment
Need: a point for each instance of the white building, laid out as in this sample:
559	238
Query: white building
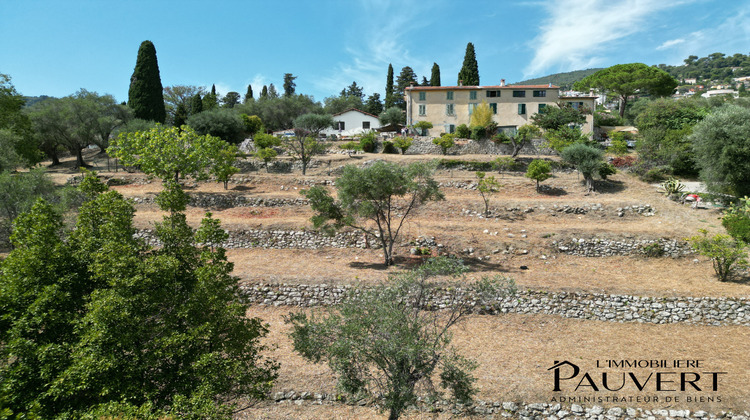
352	122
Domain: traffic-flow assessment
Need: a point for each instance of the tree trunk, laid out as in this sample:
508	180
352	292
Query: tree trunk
393	414
55	159
226	184
623	102
79	159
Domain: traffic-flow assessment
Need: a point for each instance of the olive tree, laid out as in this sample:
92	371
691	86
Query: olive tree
586	159
383	341
721	147
376	200
169	152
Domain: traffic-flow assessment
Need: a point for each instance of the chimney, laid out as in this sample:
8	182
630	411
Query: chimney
411	84
460	82
502	82
550	84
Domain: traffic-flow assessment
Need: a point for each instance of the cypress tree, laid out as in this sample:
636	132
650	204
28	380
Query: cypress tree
180	115
389	99
264	92
249	93
435	77
213	90
469	74
424	82
145	95
196	104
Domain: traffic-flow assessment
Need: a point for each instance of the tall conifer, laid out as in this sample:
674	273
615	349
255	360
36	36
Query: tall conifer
469	74
389	99
249	93
145	96
435	77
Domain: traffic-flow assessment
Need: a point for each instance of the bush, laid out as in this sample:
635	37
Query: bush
506	163
738	226
606	169
445	141
672	186
618	144
403	143
660	173
539	171
653	250
264	141
606	119
389	148
726	253
463	131
222	123
367	142
623	161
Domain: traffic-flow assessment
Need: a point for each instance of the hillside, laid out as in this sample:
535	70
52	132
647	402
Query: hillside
564	80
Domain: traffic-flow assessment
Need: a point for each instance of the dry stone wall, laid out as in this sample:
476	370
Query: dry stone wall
580	305
511	409
423	146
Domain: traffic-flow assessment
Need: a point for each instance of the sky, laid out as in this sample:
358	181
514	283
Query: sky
55	48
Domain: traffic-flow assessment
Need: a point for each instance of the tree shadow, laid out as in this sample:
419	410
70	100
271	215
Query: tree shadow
480	266
242	188
552	191
609	186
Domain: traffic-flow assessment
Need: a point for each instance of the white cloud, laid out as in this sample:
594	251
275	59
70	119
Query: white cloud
670	43
381	40
729	36
577	32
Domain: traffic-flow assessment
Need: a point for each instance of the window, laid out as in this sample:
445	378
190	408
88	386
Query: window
473	95
521	109
542	106
449	109
450	129
493	107
422	109
340	125
422	96
540	93
365	125
576	105
493	94
449	95
471	108
519	93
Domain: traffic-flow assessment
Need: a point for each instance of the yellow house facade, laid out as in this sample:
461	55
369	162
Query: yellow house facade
447	107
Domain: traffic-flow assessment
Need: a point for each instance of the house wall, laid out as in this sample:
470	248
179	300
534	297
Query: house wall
353	123
436	99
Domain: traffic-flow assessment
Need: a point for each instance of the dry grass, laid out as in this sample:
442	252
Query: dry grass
515	351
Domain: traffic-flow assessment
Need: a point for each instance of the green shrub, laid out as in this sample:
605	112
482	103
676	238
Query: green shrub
539	170
606	169
653	250
367	142
606	119
389	148
351	145
445	141
506	163
463	131
403	143
738	226
660	173
263	141
672	186
726	253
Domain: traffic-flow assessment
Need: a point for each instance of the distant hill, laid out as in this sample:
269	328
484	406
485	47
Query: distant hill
716	67
564	80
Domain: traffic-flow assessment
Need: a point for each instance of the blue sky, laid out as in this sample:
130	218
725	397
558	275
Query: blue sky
54	47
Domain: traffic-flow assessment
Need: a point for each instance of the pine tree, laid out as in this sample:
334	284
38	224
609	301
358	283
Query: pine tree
424	81
289	85
196	104
145	96
249	94
469	74
403	81
435	77
389	99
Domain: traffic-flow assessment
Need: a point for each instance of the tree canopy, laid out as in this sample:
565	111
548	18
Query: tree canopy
626	80
404	80
94	324
222	123
435	75
469	73
389	94
168	152
721	146
368	199
145	95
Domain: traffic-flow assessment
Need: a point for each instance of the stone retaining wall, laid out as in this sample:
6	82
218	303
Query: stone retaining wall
226	201
592	306
510	409
423	146
280	239
597	247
